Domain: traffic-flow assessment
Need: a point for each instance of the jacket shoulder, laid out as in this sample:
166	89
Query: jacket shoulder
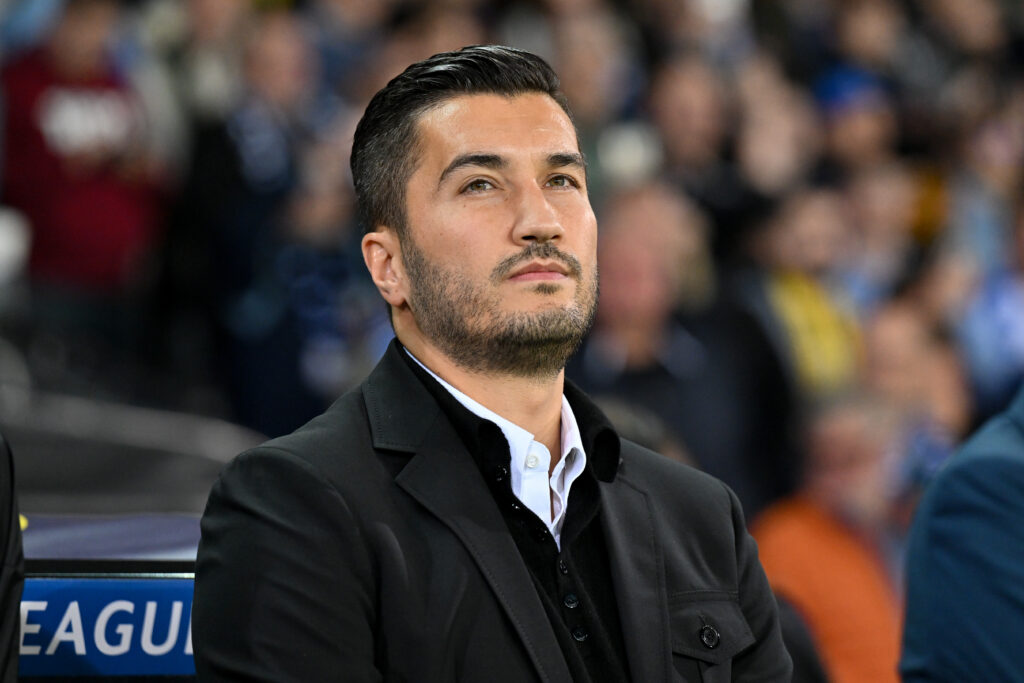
334	444
659	475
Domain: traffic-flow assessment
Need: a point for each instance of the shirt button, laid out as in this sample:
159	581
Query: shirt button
531	461
570	601
563	567
580	634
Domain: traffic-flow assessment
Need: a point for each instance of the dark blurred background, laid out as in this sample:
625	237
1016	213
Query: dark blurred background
812	242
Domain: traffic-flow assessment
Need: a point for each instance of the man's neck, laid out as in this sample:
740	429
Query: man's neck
533	403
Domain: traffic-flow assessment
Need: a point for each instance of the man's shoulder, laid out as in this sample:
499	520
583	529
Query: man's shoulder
992	457
337	439
668	481
642	461
980	483
1002	438
346	414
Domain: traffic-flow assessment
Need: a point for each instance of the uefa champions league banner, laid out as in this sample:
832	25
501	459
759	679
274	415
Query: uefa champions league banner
106	627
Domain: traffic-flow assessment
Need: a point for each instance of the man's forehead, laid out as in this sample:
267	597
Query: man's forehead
491	123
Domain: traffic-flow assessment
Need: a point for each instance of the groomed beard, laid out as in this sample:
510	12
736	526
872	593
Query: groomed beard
465	322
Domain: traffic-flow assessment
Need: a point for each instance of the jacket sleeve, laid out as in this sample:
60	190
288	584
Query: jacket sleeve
965	578
12	574
767	660
283	588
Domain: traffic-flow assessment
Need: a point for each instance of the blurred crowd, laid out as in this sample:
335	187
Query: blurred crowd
812	233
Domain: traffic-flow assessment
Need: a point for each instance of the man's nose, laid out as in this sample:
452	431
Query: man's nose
536	219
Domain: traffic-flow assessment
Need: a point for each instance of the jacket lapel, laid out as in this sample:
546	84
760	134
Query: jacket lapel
442	476
639	579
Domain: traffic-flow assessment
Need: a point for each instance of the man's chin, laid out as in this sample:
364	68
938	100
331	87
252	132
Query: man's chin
540	300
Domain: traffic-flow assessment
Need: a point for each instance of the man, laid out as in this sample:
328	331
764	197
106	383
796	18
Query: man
823	547
466	515
665	338
965	577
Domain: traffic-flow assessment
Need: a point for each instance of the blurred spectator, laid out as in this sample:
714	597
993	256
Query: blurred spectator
76	163
269	195
824	549
791	290
910	364
347	34
882	203
798	32
602	81
860	121
72	161
992	329
692	106
666	340
445	26
416	31
968	28
985	185
779	133
688	105
868	33
200	45
719	29
939	283
24	22
917	373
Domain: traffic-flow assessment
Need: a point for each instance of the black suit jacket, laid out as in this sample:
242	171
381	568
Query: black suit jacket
12	570
367	546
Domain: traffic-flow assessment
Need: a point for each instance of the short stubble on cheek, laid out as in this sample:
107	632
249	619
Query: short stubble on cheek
461	319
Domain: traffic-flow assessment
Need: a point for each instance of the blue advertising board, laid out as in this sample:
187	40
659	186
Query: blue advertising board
107	624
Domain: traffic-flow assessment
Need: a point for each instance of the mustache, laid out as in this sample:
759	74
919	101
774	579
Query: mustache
534	251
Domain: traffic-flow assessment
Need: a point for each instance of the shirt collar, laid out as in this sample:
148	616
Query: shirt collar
587	428
519	439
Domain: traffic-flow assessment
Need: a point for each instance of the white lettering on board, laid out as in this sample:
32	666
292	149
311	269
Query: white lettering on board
123	630
26	607
69	631
172	631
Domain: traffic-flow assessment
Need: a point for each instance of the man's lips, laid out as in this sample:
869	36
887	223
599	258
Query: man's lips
540	270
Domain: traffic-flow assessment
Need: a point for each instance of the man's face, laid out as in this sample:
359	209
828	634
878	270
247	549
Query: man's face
500	241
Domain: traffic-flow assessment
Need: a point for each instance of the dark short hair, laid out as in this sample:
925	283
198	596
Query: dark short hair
384	150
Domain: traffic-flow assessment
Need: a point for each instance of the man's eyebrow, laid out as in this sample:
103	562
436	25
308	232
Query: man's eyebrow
472	159
561	159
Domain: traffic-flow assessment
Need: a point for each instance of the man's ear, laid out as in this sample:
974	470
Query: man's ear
383	256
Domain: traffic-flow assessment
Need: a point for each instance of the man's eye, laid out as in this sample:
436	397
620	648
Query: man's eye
478	185
563	181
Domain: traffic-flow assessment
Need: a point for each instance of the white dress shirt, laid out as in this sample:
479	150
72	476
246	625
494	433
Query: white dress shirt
546	496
